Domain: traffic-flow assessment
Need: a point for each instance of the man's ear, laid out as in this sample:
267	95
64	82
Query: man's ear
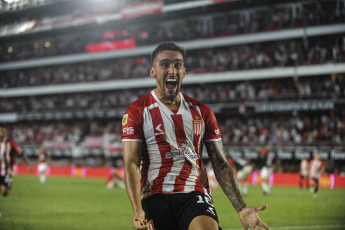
152	72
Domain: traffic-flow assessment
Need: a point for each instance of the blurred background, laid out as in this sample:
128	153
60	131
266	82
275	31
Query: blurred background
272	71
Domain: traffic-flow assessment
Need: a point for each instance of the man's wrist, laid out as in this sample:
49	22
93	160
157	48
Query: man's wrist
241	208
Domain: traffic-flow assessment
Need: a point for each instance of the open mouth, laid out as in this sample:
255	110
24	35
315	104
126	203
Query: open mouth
171	83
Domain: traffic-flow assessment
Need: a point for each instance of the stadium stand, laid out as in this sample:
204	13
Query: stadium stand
272	72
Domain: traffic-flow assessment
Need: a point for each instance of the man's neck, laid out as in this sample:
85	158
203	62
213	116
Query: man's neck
172	104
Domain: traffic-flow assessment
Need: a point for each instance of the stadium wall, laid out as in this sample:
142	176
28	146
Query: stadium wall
276	179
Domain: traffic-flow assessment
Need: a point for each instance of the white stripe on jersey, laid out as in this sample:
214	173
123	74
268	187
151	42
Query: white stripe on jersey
2	158
150	136
5	158
137	140
149	131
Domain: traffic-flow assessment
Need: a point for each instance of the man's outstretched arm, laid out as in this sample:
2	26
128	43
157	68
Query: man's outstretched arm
227	180
27	161
225	174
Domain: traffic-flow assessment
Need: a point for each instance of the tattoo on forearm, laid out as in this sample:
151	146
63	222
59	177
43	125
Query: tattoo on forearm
224	174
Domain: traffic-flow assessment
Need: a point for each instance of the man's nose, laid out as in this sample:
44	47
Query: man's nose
172	70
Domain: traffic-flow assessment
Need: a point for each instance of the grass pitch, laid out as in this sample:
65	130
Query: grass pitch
86	204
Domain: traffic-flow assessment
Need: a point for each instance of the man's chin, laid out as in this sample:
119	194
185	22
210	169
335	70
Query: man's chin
171	95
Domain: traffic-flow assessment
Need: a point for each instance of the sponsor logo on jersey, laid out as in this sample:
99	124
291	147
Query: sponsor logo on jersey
173	153
197	126
125	119
159	129
217	131
184	150
128	131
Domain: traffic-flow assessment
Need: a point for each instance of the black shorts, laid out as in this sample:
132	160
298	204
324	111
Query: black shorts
6	181
176	211
315	179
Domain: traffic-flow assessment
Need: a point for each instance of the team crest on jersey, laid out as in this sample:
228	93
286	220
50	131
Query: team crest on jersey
197	126
125	119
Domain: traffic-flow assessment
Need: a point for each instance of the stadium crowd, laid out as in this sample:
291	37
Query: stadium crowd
321	50
282	89
227	24
303	129
318	130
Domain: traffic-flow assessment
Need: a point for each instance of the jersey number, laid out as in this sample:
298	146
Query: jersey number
206	198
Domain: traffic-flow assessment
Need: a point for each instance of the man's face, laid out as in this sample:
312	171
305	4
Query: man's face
169	71
3	134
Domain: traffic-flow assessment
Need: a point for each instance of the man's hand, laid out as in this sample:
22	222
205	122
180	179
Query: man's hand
139	222
250	219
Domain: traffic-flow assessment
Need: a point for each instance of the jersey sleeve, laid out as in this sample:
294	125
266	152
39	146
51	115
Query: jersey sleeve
132	127
212	132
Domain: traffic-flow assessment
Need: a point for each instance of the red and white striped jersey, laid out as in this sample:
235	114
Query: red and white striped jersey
8	150
171	142
42	156
315	168
304	167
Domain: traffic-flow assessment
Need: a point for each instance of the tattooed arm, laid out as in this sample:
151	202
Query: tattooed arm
225	174
227	180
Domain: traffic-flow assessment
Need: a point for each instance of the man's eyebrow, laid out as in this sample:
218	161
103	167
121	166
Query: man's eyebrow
168	60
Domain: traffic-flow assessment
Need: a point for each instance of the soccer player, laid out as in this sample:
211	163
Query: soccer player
115	180
8	150
43	157
316	168
163	134
266	161
304	173
212	180
244	168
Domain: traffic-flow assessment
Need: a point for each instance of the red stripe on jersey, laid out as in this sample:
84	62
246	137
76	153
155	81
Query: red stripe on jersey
158	125
180	180
179	129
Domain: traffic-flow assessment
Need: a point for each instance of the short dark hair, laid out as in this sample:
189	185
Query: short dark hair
167	46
